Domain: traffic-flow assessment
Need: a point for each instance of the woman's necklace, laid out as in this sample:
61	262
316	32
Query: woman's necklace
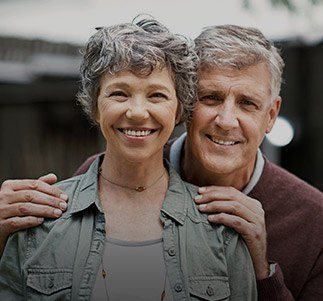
104	275
138	188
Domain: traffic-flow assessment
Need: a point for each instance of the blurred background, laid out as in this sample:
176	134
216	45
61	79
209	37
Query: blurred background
41	127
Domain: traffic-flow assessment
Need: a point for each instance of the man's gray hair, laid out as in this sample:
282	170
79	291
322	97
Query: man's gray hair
239	47
139	47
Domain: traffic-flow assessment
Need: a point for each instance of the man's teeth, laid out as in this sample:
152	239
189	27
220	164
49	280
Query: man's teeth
136	133
222	142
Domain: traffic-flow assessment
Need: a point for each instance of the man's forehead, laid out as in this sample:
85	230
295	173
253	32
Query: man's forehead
254	78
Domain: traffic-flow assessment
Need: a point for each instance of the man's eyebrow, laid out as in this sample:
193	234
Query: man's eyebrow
211	90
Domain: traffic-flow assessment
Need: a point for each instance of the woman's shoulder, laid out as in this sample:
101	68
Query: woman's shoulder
227	235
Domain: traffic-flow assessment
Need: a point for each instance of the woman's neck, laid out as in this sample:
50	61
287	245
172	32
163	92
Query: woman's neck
132	174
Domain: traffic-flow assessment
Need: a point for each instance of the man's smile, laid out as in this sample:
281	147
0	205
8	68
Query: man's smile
223	141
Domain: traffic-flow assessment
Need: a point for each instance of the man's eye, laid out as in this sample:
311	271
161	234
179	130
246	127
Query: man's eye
209	98
247	102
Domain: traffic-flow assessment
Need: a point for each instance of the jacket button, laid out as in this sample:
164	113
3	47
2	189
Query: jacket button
171	252
210	291
178	287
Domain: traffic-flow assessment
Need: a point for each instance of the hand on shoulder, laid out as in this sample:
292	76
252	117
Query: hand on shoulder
232	208
25	203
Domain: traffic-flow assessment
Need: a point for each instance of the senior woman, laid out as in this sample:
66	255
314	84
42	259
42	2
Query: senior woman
132	231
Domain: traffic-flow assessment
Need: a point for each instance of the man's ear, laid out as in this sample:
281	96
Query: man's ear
273	113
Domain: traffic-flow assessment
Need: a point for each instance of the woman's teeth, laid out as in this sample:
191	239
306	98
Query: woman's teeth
136	133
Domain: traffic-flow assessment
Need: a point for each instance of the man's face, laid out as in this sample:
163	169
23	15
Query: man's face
232	115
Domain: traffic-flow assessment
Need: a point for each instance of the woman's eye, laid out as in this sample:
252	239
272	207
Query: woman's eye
117	93
158	96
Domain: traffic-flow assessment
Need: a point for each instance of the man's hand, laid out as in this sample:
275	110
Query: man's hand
232	208
25	203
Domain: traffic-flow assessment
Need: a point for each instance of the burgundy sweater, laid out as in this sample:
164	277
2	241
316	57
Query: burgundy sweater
294	223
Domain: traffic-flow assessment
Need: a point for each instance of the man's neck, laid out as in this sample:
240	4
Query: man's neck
195	173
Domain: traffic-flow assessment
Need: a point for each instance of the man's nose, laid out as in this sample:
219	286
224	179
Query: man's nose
227	116
137	109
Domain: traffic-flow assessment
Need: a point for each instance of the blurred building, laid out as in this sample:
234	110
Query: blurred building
41	127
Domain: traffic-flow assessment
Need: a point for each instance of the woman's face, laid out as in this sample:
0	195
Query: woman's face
137	113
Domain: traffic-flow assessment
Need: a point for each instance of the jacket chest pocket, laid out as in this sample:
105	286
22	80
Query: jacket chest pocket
209	288
49	284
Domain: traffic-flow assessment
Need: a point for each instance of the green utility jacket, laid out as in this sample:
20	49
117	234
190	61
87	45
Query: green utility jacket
59	260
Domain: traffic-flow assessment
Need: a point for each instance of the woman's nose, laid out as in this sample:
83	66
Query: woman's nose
137	109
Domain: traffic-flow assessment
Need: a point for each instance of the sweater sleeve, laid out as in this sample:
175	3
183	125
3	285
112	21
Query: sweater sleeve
313	288
274	288
242	278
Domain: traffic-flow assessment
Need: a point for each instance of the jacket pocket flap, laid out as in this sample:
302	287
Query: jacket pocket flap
49	281
209	287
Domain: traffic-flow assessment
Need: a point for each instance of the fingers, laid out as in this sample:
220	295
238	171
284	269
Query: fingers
16	185
14	224
237	223
29	209
211	195
49	178
36	197
230	207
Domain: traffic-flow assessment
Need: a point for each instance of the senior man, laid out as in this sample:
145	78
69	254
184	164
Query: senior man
278	215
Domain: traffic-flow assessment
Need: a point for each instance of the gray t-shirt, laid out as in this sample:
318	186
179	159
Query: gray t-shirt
133	271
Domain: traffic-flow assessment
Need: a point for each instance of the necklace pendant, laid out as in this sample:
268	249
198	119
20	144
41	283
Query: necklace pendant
104	274
140	188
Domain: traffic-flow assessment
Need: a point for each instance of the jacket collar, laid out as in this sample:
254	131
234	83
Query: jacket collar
87	191
174	206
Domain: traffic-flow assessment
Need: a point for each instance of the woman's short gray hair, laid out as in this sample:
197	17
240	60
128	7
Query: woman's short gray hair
140	47
239	47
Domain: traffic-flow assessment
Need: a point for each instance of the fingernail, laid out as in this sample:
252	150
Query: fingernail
202	206
198	197
40	220
62	205
64	196
202	189
58	212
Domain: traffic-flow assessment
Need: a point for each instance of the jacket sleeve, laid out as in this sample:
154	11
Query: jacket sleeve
11	274
241	274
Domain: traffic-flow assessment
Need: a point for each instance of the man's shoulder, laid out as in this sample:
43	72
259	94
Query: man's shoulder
86	164
277	184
